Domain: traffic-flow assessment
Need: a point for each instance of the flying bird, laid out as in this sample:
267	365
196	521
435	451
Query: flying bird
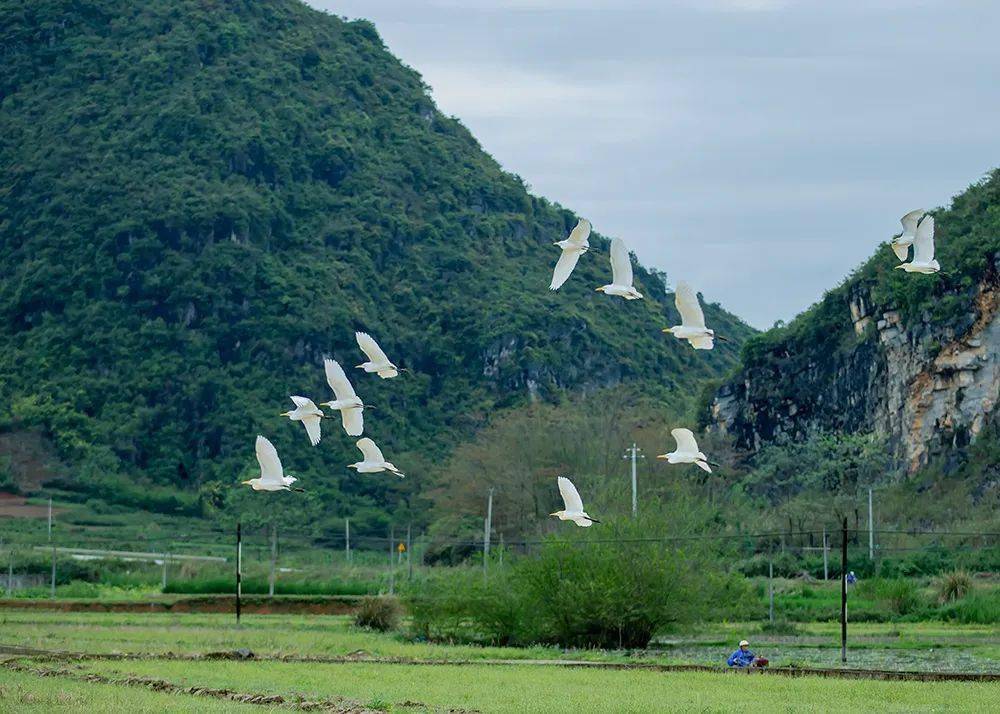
378	362
901	244
923	250
572	248
373	461
309	414
572	505
687	451
272	477
347	402
621	273
692	327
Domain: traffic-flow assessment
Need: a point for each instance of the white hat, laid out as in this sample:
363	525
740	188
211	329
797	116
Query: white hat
744	643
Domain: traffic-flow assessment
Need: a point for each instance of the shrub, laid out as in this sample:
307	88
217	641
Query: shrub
900	595
977	608
608	587
953	586
381	613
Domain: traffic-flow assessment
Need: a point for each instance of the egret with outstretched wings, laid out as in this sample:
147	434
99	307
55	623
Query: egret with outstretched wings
621	273
572	248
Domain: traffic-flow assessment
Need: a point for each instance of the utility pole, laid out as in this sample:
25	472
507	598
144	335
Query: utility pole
239	570
871	528
347	538
633	454
409	554
770	590
392	570
166	557
487	527
826	550
274	559
843	591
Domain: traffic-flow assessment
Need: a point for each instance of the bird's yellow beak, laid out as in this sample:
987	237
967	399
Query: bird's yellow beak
662	456
600	289
554	514
898	267
246	483
668	329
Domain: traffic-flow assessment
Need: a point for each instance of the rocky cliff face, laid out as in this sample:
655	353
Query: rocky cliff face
926	387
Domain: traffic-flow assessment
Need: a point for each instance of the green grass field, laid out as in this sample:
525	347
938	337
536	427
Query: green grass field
486	687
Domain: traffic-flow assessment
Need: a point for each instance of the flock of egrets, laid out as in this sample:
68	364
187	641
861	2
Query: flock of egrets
918	231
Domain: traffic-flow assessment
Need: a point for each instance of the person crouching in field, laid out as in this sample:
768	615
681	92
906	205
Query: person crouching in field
742	657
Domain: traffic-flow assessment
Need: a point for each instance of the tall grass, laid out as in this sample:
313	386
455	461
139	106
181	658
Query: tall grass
259	586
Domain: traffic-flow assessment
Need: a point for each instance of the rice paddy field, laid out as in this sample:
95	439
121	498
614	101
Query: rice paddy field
69	661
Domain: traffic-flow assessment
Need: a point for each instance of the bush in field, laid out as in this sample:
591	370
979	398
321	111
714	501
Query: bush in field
610	586
978	608
381	613
953	586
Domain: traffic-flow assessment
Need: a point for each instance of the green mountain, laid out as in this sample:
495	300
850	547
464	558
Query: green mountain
911	360
202	199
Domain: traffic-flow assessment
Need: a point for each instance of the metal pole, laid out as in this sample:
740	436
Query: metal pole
50	519
635	494
52	590
409	553
843	591
487	527
239	569
274	559
166	557
826	551
871	528
770	590
392	570
347	538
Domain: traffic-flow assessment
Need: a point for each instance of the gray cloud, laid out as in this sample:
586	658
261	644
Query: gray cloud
760	149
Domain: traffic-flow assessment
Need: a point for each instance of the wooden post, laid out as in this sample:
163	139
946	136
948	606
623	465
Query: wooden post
826	550
274	559
392	569
770	590
239	569
409	554
843	592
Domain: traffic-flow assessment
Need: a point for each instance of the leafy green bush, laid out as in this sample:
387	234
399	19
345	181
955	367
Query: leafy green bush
611	586
900	595
979	608
379	612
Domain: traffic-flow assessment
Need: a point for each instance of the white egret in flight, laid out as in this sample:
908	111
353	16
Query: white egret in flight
572	505
621	273
692	327
572	248
373	461
687	451
378	362
309	414
347	402
923	250
272	477
901	244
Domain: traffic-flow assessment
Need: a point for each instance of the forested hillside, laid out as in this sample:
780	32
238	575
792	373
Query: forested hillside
199	200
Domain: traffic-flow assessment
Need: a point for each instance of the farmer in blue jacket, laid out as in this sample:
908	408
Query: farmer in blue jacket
742	657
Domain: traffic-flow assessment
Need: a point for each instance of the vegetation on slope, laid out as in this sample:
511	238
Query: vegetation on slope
202	199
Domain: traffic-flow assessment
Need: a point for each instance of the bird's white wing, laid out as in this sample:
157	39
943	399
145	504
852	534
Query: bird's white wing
370	347
369	450
685	440
702	343
570	496
621	265
267	457
581	233
686	300
910	221
565	265
338	380
353	420
902	251
311	423
923	244
304	403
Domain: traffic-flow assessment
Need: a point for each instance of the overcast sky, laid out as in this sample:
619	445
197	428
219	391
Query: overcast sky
758	148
